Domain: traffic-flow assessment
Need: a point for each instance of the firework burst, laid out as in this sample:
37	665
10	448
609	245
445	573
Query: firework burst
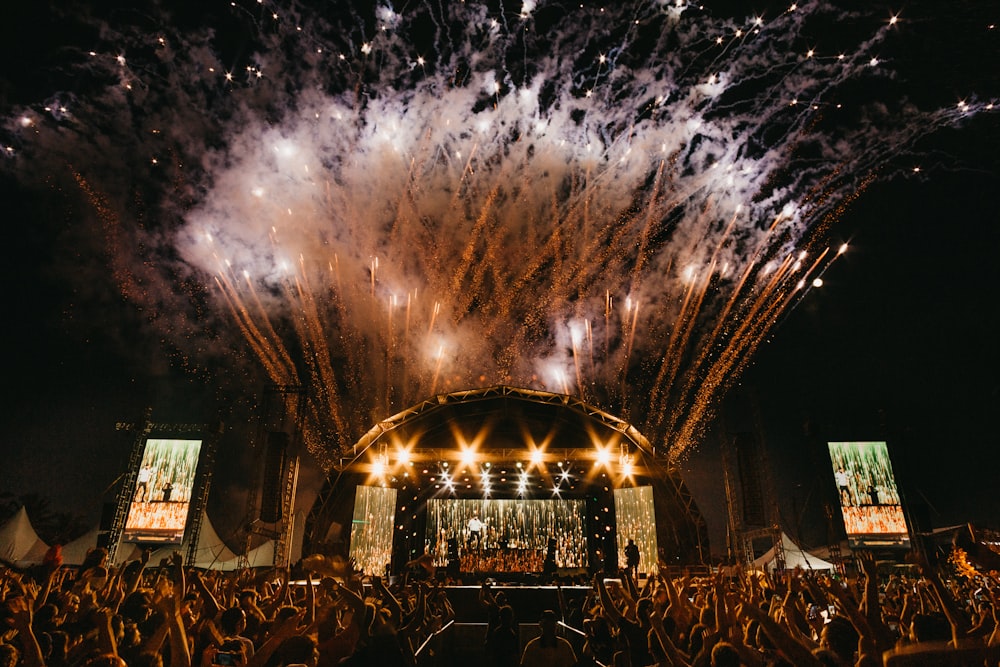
382	206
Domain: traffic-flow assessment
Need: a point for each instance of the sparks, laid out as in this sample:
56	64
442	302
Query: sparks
397	225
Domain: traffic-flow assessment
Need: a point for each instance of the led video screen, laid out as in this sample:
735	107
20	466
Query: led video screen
869	498
503	535
371	528
636	521
162	495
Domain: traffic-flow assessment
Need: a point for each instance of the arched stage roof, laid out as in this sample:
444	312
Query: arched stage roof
503	424
511	417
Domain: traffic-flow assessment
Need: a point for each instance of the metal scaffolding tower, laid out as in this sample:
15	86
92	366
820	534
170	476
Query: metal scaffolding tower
202	479
751	507
127	491
271	500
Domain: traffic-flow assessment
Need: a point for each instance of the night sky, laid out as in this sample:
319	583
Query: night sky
899	344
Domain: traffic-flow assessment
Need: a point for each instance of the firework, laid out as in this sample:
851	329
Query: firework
614	203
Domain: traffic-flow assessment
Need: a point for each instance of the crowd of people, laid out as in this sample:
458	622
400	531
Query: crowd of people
918	617
138	615
170	615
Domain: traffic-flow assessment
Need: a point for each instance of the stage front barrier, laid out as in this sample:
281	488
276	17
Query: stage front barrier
459	644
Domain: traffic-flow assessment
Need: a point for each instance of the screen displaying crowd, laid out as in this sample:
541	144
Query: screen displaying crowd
159	506
869	497
504	535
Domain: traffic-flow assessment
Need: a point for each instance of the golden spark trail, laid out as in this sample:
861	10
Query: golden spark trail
313	327
253	336
742	340
270	334
512	184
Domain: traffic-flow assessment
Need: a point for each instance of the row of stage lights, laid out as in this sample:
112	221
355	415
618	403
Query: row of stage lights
602	460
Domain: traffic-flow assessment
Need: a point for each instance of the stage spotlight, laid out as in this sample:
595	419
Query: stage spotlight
537	456
402	456
603	457
468	456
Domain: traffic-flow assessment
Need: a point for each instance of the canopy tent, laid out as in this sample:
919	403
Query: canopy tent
213	554
795	557
19	543
210	554
74	552
262	556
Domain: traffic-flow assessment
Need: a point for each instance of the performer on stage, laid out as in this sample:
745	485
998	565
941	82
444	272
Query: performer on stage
632	559
843	486
475	531
143	479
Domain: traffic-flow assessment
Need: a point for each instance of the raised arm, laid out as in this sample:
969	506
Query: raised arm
870	606
288	628
211	606
280	598
388	600
673	654
796	653
611	610
21	614
167	597
960	624
678	607
310	600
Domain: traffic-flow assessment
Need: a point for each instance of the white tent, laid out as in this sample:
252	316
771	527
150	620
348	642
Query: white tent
19	543
262	556
795	557
74	552
211	553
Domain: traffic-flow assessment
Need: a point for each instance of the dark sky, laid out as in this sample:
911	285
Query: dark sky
900	344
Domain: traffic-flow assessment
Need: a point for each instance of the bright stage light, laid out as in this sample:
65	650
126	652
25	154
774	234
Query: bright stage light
403	456
603	457
468	456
